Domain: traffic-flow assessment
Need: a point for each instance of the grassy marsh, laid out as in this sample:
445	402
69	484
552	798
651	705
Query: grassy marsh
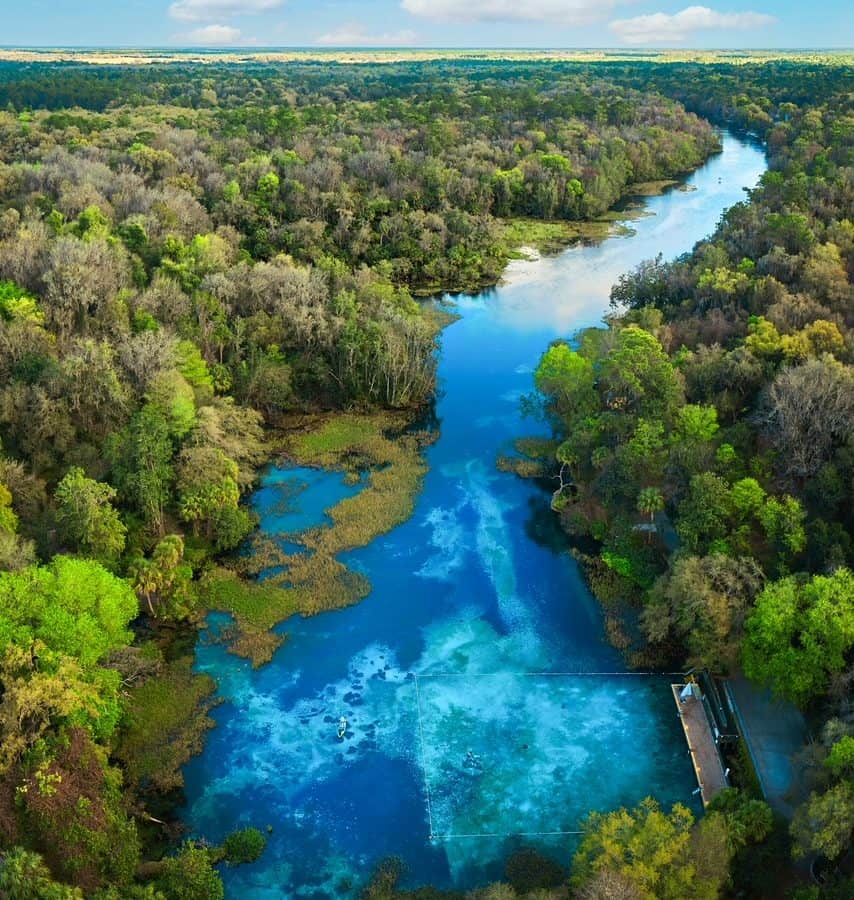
314	580
165	721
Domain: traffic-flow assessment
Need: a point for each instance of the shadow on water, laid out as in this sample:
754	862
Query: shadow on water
542	525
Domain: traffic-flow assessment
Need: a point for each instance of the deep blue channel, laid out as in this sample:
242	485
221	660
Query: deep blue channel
459	748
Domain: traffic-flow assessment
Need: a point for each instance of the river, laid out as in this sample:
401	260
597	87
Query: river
468	723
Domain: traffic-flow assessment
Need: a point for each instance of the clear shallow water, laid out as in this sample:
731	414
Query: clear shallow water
476	596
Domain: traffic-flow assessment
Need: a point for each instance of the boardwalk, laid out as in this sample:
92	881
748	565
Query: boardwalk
701	743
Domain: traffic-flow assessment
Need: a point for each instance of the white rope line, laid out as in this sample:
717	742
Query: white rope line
547	674
501	834
423	757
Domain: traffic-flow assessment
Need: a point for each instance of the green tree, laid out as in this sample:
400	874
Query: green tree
16	305
747	497
193	367
87	517
74	606
8	519
190	875
643	457
697	423
15	552
800	633
170	392
749	821
141	457
648	847
41	689
209	495
824	823
702	602
165	581
783	523
71	800
704	513
567	379
840	760
57	623
650	501
764	339
638	378
24	876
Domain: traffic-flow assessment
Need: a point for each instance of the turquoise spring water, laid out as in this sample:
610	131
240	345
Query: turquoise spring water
459	749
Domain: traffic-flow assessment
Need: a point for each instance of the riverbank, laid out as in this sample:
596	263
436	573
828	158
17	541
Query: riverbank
299	572
476	581
381	448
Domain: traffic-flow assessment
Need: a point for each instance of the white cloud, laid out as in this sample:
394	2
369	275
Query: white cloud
557	12
203	10
356	35
660	28
215	36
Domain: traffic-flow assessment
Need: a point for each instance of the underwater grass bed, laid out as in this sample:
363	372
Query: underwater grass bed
511	754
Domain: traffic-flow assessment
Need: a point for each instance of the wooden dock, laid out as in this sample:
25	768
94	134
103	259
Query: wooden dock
701	743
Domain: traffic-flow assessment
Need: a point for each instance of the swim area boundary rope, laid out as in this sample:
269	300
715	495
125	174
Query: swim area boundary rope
507	834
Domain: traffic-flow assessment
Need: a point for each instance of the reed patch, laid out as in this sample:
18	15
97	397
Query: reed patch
378	449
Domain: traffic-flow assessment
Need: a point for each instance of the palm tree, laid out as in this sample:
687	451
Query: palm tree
650	500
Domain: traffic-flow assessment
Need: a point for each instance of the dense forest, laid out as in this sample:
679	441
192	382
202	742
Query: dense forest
192	259
704	437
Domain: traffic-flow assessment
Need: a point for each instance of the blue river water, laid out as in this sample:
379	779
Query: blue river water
475	722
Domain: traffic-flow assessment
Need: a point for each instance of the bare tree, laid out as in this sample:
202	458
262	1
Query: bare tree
808	411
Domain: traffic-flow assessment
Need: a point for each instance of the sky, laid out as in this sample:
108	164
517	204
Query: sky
427	23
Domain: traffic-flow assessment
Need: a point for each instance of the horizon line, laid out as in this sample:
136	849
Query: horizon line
330	48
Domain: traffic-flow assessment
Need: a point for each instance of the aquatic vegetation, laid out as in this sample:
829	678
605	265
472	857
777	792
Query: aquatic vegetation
333	442
536	447
164	724
311	579
243	846
524	468
534	459
256	646
250	602
651	188
550	237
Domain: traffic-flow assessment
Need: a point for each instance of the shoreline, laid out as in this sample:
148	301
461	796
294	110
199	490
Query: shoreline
254	604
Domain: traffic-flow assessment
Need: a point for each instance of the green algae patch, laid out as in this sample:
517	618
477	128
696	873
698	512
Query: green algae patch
255	603
377	449
335	441
164	724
